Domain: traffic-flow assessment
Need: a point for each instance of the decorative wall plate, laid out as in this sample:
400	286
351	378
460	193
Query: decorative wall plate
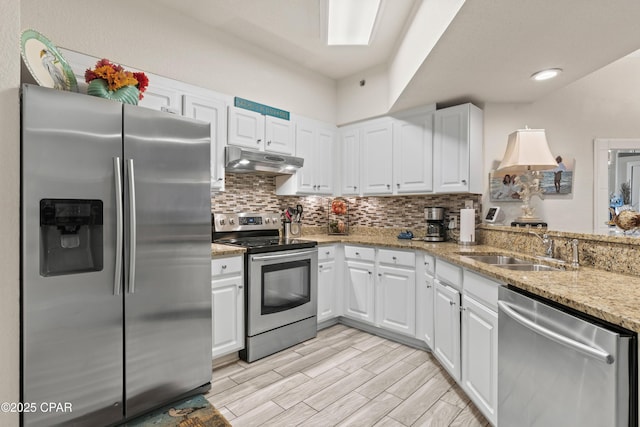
45	62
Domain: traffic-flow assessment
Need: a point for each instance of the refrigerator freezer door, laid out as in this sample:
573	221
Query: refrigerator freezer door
168	293
71	321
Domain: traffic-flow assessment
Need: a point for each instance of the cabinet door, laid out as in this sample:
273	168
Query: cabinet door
279	135
359	291
395	299
246	128
162	98
480	356
451	149
326	290
305	144
424	309
227	305
212	111
447	328
377	152
350	162
413	154
324	160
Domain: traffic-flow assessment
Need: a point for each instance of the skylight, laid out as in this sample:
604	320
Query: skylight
350	22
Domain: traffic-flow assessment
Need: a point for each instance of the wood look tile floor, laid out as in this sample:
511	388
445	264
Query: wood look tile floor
343	377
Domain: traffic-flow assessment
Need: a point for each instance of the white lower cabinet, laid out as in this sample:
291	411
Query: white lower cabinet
396	291
359	291
447	328
480	356
227	305
424	300
328	285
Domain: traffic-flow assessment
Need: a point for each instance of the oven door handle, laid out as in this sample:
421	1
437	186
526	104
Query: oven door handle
282	255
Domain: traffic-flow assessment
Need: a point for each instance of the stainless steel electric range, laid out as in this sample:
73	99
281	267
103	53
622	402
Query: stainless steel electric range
280	278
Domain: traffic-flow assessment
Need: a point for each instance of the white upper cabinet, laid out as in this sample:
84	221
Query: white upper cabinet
262	133
279	135
413	153
162	98
376	154
213	111
350	161
457	149
315	143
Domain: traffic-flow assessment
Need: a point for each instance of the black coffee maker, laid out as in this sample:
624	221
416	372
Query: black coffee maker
436	227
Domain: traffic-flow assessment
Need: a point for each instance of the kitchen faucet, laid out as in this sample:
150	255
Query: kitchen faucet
547	241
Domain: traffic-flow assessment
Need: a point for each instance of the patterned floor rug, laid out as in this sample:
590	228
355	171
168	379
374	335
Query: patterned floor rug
195	411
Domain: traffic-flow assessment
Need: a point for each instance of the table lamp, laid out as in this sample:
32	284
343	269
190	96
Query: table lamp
527	153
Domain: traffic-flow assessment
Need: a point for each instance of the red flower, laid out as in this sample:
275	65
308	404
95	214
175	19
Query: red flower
89	75
143	82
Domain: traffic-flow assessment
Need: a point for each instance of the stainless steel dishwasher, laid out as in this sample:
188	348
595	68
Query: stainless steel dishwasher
557	367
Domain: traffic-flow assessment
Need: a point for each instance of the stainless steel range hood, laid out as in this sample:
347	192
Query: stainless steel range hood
242	160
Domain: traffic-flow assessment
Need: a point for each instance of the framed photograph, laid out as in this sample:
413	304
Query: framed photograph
559	180
502	187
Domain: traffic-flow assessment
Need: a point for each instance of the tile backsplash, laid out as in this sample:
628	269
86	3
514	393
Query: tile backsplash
256	192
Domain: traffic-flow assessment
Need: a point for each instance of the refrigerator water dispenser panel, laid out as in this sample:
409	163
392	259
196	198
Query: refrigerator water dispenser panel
70	236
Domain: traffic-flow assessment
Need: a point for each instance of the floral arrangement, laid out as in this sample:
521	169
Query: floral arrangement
116	77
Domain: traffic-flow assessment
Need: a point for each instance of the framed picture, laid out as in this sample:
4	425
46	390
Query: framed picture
557	181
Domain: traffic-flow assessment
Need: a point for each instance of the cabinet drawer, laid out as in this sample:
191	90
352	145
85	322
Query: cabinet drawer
326	252
449	274
481	288
360	252
407	259
230	265
429	263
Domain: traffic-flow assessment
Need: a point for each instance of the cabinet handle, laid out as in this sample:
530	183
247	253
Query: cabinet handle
429	286
355	188
268	142
220	179
369	273
393	258
224	266
327	253
398	184
379	274
388	186
320	266
357	253
452	303
240	287
464	181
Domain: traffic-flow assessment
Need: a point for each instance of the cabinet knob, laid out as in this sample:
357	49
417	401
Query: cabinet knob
370	273
388	186
220	179
464	181
355	187
258	141
320	266
357	253
429	286
398	184
240	287
224	266
327	253
268	142
379	274
452	303
394	258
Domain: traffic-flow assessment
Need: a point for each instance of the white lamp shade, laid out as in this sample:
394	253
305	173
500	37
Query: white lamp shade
527	149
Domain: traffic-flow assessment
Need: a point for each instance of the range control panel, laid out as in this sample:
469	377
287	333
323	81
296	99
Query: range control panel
245	221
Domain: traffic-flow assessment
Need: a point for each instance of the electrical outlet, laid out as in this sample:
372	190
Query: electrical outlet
468	204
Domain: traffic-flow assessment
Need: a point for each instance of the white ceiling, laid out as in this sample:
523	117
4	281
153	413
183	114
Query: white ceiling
487	53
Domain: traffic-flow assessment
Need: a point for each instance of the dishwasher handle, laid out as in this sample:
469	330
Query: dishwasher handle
595	353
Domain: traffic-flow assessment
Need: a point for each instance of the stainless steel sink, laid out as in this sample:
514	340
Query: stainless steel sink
528	267
497	259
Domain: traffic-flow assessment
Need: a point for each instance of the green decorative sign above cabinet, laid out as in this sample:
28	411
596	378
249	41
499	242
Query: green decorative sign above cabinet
260	108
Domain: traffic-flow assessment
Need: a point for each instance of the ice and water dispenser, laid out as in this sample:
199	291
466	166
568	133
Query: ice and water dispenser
70	236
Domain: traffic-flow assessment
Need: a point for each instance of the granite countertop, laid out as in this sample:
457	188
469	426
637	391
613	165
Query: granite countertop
225	250
605	295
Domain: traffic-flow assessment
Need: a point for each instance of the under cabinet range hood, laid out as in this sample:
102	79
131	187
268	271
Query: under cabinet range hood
242	160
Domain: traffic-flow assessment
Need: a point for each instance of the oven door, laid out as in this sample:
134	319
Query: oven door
282	288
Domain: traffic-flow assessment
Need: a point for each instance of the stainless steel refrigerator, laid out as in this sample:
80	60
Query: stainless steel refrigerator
116	255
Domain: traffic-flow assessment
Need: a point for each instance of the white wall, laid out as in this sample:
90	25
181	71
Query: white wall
357	102
10	207
604	104
148	36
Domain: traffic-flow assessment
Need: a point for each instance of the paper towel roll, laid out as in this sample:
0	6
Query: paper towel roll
467	226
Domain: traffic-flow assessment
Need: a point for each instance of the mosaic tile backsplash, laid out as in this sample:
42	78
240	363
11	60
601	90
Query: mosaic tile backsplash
256	192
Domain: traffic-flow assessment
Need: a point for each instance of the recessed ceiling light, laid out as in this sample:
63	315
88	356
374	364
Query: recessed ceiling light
546	74
350	22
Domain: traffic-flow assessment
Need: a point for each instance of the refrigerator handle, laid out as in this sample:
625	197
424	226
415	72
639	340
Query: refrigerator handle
132	227
117	171
595	353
